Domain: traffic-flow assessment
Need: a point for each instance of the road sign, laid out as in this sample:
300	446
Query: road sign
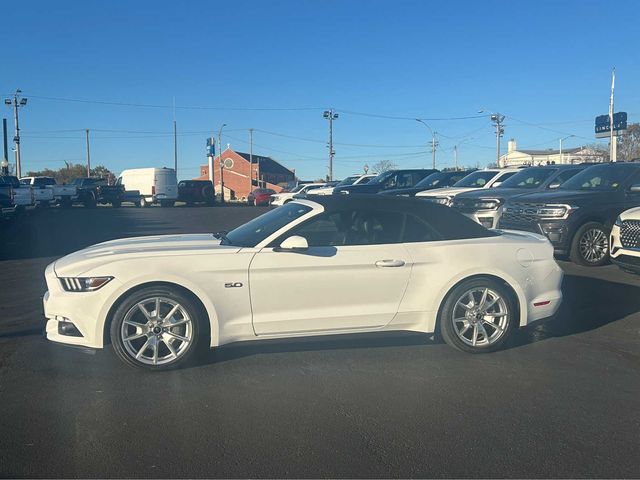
603	126
211	147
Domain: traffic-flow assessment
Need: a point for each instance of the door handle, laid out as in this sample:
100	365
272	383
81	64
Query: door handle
389	263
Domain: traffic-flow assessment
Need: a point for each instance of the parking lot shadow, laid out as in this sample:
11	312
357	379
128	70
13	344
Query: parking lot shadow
589	303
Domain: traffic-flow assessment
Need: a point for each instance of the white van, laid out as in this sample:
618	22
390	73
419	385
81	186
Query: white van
156	185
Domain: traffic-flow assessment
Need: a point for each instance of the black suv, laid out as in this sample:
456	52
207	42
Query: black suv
391	179
435	180
577	216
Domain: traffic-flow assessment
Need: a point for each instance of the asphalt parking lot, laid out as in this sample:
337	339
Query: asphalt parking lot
561	401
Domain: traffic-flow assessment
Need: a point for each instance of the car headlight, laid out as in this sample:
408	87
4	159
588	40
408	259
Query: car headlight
555	211
487	204
618	222
441	200
83	284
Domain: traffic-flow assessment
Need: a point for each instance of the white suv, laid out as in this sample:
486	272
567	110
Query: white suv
625	241
280	199
488	178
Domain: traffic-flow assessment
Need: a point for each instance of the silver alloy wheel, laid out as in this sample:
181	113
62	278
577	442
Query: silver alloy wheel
480	317
594	245
156	331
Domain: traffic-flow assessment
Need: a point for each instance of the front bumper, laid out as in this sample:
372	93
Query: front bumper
81	309
555	230
486	218
625	257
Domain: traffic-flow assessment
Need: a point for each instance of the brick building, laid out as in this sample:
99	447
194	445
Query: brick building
265	172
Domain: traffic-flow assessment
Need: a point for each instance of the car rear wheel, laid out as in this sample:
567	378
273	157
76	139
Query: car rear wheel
156	328
478	316
590	245
167	203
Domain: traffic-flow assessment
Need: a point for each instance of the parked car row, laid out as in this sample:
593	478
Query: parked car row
574	206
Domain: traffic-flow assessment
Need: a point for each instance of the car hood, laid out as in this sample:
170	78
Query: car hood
366	188
565	196
444	192
100	254
631	214
499	193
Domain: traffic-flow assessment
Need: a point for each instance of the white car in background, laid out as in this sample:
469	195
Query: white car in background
335	264
280	199
625	241
352	180
488	178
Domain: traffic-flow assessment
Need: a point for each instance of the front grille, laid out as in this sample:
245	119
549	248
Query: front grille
630	234
464	206
521	212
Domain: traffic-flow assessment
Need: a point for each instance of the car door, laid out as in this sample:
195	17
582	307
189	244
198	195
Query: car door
352	276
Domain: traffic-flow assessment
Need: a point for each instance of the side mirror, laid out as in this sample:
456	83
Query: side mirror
635	188
295	243
497	184
555	184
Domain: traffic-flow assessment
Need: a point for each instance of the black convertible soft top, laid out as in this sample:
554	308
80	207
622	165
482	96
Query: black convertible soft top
449	223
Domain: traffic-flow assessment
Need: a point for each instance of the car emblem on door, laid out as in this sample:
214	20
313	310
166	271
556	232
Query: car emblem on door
233	285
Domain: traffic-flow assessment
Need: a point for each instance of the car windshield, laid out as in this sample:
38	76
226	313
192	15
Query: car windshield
381	178
529	178
433	180
296	189
476	179
348	181
600	177
255	231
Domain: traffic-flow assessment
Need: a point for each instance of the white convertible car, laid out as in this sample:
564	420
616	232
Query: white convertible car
335	264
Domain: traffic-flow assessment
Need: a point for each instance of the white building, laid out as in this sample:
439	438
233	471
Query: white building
517	158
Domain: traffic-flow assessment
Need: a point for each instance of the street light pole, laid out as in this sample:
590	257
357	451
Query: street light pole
251	161
331	116
434	143
568	136
497	120
221	165
17	102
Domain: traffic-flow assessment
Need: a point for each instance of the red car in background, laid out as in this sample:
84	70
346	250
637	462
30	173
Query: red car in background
260	196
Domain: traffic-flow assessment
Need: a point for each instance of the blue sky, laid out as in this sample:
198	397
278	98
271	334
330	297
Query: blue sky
546	65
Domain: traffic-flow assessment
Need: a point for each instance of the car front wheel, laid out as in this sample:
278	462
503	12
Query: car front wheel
478	316
590	246
156	328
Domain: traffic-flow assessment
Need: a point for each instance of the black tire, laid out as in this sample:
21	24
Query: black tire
137	204
167	203
116	204
66	204
450	331
90	201
197	324
590	245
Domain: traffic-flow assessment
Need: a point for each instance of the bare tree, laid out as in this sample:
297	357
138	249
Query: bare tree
383	166
629	143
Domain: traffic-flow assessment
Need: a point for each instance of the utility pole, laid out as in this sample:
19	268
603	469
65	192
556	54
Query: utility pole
434	143
251	161
331	116
175	139
88	154
17	102
221	164
561	140
497	120
5	157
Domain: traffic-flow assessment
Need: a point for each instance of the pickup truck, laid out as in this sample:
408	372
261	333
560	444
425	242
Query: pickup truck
47	190
7	207
577	217
22	194
93	191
